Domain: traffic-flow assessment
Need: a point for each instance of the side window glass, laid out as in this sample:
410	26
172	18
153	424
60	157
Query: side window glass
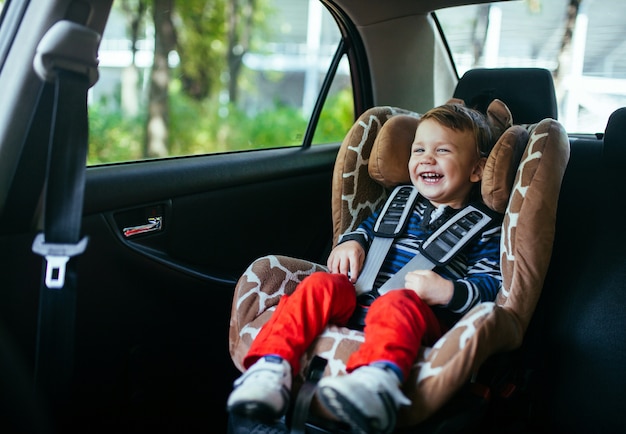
204	78
580	42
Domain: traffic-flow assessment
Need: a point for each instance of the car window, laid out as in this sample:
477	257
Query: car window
220	80
589	67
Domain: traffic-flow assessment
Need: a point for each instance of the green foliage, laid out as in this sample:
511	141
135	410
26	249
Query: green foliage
112	137
280	126
201	45
203	41
204	127
337	117
200	122
199	127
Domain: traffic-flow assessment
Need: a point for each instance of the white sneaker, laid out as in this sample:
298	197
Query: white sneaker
367	399
262	392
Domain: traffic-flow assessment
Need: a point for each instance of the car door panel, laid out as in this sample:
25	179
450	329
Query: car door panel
156	301
227	218
153	309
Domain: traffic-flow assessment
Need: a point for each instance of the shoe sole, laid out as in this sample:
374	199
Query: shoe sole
258	411
342	408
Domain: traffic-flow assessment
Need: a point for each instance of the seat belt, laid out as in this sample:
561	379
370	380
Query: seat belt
390	223
438	249
443	244
73	69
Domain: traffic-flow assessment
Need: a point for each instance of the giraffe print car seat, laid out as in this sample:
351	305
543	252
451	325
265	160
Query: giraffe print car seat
522	179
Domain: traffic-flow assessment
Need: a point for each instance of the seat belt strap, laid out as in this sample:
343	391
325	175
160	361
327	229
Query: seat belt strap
438	249
305	395
61	237
390	223
441	247
73	72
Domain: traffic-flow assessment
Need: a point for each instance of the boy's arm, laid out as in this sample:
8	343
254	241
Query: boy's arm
483	277
363	234
348	256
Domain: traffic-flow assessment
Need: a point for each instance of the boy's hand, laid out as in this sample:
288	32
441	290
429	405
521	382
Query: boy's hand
430	286
347	258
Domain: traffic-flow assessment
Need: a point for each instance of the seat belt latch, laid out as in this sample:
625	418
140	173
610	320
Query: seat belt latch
57	255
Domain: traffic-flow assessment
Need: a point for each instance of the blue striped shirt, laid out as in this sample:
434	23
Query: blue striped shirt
475	270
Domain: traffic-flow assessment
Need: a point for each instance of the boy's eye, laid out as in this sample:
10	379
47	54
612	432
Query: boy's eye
417	150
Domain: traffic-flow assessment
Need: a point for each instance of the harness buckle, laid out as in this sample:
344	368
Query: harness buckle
57	255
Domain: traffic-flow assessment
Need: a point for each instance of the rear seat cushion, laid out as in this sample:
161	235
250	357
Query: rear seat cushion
581	326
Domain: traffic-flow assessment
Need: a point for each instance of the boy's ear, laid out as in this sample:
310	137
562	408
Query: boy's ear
479	168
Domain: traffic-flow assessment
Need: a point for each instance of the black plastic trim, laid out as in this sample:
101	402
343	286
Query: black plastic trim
117	186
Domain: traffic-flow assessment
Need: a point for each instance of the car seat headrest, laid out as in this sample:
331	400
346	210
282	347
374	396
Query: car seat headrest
614	151
388	164
529	92
391	151
501	168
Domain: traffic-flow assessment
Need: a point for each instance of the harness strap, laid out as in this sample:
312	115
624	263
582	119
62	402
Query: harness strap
305	395
439	249
390	223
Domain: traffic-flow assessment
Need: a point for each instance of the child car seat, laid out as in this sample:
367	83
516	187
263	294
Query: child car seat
372	159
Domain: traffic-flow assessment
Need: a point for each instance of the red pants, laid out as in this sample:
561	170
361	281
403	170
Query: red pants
396	324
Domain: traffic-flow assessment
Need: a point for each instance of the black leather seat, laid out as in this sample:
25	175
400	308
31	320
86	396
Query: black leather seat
580	323
528	92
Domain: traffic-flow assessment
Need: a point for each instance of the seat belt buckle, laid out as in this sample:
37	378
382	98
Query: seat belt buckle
57	256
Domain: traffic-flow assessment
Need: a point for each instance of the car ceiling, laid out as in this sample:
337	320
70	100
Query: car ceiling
367	12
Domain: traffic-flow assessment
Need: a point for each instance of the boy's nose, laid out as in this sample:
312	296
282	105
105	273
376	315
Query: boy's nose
427	158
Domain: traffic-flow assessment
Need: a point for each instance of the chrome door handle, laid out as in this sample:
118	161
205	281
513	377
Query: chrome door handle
154	224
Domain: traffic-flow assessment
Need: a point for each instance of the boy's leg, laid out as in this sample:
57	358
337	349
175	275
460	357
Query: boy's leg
300	317
369	397
263	391
396	325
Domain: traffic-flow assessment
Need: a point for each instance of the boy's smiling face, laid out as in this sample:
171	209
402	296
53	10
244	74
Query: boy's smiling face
444	163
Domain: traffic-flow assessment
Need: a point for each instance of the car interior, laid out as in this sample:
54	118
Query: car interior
151	334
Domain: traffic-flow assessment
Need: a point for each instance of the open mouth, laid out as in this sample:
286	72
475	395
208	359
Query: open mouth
430	177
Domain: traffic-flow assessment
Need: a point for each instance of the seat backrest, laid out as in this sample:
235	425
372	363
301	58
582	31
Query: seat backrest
614	149
528	92
580	326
